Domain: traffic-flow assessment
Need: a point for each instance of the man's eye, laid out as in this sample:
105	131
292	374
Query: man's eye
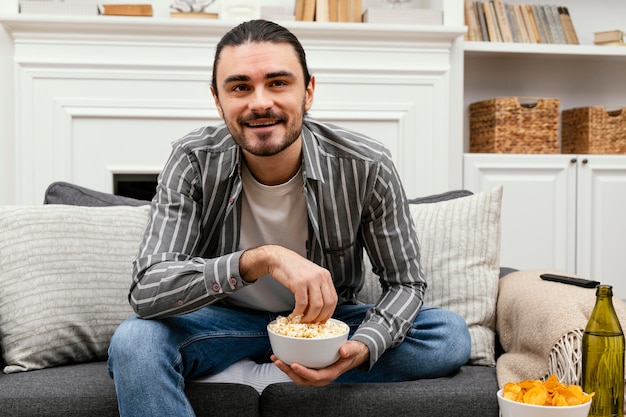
240	87
278	83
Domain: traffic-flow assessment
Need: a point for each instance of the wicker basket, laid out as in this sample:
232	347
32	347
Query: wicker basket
594	130
515	125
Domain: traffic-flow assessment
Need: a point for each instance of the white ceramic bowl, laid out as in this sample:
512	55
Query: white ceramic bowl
509	408
311	352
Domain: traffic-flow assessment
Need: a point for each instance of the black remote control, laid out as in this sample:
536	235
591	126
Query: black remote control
586	283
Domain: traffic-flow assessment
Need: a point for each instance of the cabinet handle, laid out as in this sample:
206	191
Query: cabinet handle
585	161
573	160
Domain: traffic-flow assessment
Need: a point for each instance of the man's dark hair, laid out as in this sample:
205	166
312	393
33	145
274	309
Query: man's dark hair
258	31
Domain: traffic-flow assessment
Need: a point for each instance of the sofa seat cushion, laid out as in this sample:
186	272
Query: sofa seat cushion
84	390
469	392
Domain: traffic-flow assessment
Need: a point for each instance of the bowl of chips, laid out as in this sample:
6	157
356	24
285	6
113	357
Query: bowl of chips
314	345
550	398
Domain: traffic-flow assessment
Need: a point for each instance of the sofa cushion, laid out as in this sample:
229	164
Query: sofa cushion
82	390
459	236
64	278
74	195
371	291
460	249
469	392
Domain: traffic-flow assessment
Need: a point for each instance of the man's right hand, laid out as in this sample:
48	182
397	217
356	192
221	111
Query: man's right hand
311	285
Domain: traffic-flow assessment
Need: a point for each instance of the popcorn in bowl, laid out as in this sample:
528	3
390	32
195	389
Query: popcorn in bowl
314	345
293	327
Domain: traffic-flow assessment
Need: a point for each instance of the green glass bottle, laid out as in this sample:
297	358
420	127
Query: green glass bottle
603	357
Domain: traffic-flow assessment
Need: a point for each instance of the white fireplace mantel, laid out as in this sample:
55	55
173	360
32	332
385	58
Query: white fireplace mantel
95	96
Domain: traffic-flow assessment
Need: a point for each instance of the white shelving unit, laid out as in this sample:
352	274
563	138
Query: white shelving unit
559	211
578	75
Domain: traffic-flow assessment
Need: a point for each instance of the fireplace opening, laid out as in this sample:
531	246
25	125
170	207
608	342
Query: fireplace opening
139	186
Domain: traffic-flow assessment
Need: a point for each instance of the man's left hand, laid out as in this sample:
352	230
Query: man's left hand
351	355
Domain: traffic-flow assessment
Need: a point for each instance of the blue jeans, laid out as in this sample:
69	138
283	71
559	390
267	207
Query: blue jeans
150	360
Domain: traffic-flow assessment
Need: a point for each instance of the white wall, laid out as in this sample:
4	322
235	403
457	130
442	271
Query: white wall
7	150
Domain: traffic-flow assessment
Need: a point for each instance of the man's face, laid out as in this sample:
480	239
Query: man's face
262	96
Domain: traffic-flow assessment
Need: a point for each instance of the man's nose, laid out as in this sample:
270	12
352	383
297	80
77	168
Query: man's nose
261	100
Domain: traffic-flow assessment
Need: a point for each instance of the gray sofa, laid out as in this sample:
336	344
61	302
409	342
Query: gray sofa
85	389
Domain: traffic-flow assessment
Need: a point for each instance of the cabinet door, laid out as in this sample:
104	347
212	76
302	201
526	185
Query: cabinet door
538	206
601	252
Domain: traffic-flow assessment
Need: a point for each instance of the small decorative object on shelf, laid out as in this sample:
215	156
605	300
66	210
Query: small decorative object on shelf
240	10
515	125
593	130
192	8
397	12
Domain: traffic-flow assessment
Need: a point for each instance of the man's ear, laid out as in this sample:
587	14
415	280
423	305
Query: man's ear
217	102
310	89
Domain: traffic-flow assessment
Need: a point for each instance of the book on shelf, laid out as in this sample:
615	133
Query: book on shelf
608	36
532	23
616	43
480	12
194	15
492	22
329	10
518	29
568	26
501	21
321	11
305	10
542	23
556	26
125	9
471	21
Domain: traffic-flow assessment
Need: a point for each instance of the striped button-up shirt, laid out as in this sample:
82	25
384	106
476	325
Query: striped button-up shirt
189	256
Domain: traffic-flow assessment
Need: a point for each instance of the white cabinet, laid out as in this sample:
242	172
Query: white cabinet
565	212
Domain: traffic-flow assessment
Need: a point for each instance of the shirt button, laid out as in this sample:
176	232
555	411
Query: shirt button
216	287
233	281
231	201
180	302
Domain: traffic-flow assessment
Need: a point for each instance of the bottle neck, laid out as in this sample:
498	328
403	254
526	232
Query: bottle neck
603	320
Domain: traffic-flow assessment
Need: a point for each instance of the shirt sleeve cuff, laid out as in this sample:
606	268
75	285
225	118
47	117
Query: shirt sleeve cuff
376	338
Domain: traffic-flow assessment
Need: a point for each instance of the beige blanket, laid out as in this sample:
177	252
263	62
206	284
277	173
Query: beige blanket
536	318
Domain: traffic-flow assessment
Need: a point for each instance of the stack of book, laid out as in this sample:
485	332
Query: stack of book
609	38
496	21
329	10
115	9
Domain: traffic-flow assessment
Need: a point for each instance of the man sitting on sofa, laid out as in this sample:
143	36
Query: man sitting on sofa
269	214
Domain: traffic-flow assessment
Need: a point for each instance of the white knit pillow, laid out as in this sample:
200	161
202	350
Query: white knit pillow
460	249
65	272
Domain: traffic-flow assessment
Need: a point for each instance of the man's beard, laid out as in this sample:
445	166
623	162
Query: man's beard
264	146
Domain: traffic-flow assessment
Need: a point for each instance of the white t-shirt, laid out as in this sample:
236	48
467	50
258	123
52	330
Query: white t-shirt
271	215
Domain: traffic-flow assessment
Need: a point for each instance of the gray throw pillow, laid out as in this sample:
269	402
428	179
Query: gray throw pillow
75	195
